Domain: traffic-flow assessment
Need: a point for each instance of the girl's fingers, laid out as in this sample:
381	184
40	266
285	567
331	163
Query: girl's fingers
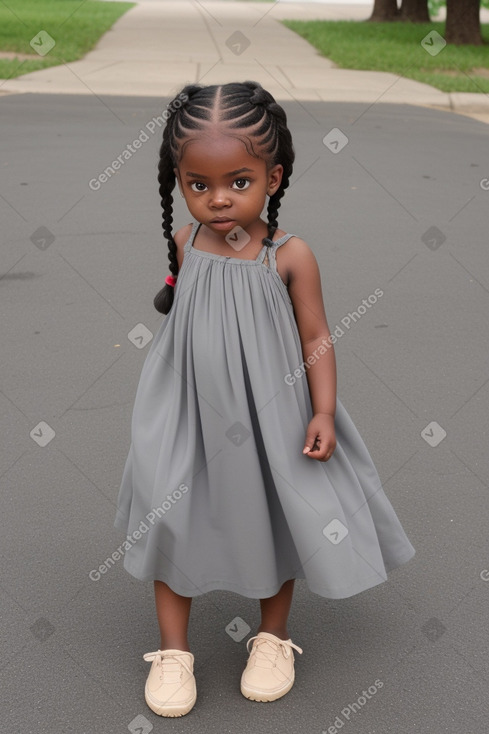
325	453
328	452
308	448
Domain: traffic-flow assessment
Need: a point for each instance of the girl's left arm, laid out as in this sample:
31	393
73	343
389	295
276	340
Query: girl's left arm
305	292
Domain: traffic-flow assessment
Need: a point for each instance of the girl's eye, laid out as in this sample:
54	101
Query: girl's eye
198	186
241	183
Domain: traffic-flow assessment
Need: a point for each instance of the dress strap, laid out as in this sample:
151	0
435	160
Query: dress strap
269	252
190	241
266	254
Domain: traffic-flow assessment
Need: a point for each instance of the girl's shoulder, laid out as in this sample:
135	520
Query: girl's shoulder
296	259
294	247
182	234
181	237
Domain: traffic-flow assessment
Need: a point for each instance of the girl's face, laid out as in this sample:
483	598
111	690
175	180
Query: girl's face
223	185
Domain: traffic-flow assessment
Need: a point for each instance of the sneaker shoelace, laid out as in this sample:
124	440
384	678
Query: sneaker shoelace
170	665
266	658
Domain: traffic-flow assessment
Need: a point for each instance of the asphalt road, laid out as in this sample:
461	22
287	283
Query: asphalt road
401	207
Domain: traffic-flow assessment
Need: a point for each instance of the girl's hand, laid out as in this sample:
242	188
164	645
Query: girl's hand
320	437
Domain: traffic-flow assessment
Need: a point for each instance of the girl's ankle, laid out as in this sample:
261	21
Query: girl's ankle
174	645
282	633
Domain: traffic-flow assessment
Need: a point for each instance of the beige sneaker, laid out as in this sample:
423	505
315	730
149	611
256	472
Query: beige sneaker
170	688
269	673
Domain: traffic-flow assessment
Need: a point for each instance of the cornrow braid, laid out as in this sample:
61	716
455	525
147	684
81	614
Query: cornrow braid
244	106
163	300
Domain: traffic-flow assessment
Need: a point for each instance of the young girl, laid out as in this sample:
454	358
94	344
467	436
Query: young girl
245	471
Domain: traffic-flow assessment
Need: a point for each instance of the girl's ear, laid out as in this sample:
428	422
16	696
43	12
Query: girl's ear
274	178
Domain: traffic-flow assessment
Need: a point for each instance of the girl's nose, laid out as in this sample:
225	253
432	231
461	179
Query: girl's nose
220	197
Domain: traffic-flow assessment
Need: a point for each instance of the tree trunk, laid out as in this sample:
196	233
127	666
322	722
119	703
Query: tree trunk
463	22
415	10
384	10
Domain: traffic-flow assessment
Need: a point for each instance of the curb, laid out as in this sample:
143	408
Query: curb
456	101
469	102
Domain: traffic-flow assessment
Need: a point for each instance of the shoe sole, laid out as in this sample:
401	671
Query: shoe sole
255	695
170	711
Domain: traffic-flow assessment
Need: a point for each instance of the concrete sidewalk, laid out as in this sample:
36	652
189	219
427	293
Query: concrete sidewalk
160	45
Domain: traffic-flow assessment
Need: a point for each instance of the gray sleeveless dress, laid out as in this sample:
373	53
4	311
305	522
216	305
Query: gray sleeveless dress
216	493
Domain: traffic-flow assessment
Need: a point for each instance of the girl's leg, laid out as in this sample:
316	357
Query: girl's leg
173	613
275	611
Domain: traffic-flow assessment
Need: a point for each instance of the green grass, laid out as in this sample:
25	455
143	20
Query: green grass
75	26
395	47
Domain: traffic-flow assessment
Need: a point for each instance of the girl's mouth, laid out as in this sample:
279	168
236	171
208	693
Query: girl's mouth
222	223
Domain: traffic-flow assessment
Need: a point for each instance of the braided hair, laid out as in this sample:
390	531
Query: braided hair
245	106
